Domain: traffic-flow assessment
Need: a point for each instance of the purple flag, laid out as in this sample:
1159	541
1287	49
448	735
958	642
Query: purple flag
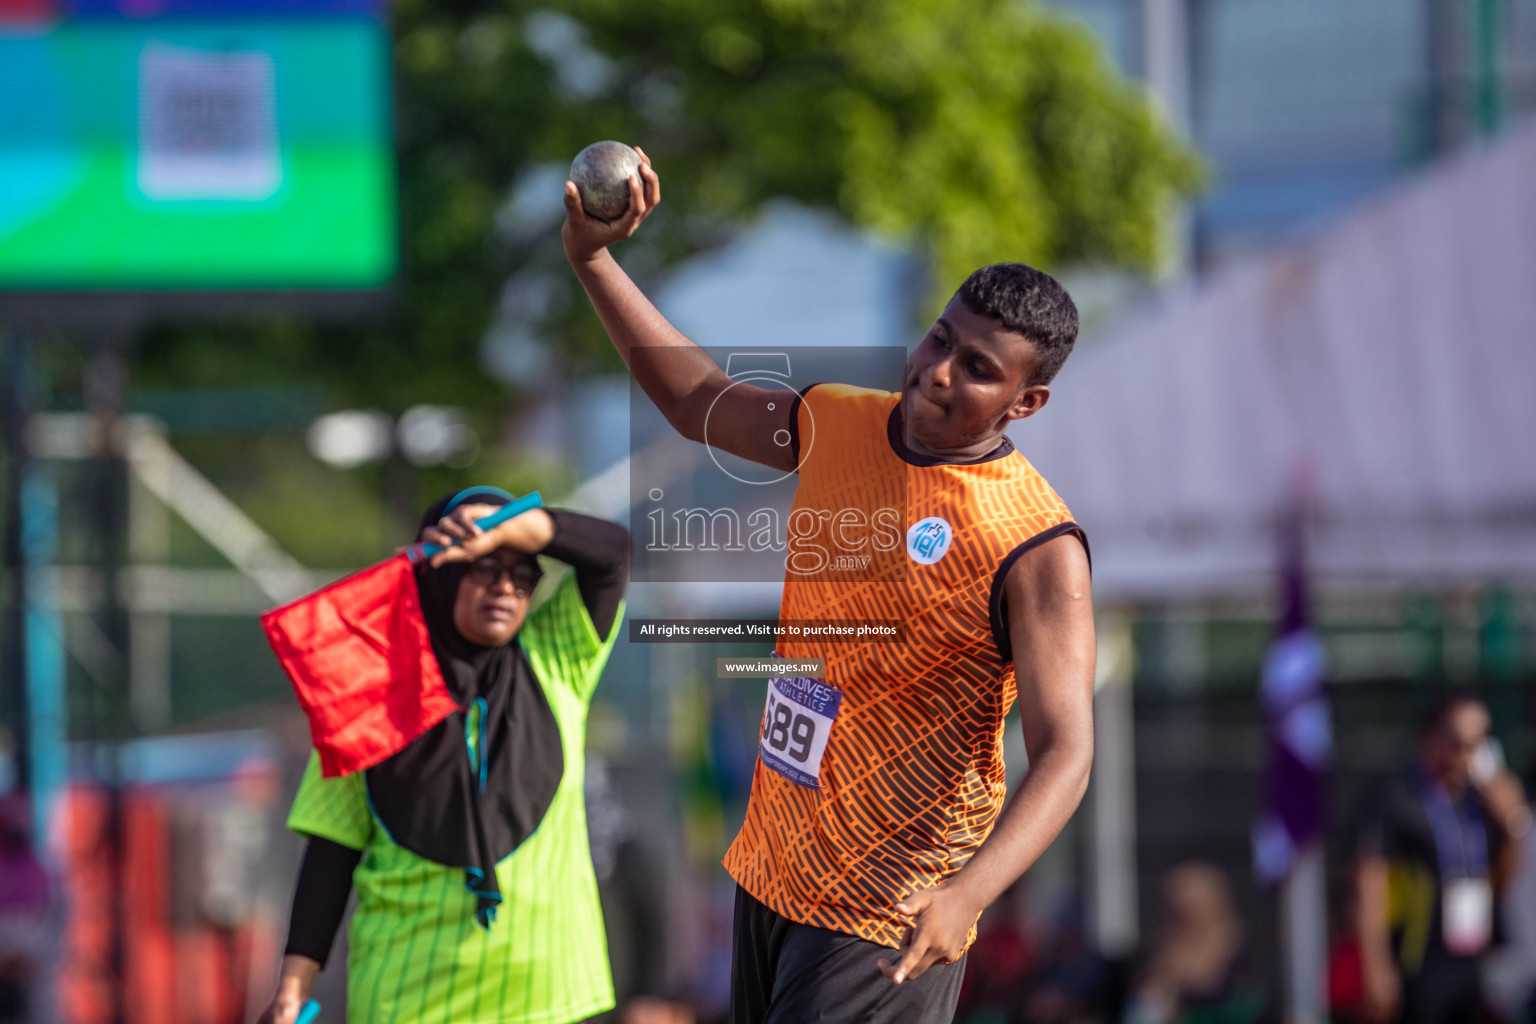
1297	721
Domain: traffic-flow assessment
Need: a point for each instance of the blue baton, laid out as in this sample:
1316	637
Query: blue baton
511	509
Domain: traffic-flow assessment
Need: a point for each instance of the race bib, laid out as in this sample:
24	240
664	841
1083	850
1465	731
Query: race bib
796	723
1466	915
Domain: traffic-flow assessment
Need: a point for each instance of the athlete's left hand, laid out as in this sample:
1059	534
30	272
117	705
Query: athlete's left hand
941	919
586	237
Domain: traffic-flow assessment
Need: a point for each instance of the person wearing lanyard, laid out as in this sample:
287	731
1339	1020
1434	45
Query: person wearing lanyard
468	847
1436	847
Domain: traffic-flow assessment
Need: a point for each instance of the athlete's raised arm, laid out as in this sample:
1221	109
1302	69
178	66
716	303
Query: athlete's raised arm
681	378
1050	626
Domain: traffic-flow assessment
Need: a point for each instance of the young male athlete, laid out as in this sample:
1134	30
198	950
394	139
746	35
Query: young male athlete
871	821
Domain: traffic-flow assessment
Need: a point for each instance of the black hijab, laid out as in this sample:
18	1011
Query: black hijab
435	797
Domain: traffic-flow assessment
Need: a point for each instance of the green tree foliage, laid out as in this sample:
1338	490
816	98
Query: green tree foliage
981	130
978	130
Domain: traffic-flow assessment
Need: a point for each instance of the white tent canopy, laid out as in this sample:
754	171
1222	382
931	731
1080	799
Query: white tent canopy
1388	361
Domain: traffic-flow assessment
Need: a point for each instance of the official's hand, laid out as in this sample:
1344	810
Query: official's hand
459	537
295	981
585	237
463	541
1502	795
941	919
282	1010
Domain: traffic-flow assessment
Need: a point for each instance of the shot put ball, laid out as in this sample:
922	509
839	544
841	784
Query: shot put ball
601	173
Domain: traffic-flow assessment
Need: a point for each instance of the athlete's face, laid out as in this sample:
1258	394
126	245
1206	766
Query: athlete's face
965	382
493	597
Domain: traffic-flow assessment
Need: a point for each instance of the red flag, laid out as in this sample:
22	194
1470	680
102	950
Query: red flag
361	662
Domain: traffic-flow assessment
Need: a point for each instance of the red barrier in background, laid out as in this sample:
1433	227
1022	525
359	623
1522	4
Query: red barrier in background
192	924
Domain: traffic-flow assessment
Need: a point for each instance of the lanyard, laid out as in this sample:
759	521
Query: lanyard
1460	839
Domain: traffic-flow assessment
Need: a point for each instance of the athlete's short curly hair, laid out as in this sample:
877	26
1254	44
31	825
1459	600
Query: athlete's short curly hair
1030	302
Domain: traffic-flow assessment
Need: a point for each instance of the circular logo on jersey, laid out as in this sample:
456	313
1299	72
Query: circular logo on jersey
928	540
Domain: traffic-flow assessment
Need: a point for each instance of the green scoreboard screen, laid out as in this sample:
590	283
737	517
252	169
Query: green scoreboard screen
196	145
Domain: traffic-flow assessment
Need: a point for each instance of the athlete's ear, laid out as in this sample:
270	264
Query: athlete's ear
1029	401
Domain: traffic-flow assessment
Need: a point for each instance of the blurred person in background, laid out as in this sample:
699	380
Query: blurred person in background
1072	984
1002	962
1193	973
1437	846
1509	971
26	914
655	1010
482	813
1345	977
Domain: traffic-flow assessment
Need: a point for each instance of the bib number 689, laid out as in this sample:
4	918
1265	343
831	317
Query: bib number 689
787	730
797	721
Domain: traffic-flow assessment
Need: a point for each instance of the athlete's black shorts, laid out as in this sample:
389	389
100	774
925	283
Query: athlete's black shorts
788	973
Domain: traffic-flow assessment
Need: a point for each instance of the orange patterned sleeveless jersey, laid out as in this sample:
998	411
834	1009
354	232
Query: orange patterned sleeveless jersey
911	776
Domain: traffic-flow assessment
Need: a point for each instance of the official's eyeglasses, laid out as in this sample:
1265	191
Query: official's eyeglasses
487	572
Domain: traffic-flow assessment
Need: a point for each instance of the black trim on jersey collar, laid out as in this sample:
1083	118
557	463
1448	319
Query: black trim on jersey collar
899	446
998	600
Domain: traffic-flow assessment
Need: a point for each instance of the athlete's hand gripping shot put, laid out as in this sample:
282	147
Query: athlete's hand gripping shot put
862	871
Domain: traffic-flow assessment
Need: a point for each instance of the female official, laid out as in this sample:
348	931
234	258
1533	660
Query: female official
476	899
